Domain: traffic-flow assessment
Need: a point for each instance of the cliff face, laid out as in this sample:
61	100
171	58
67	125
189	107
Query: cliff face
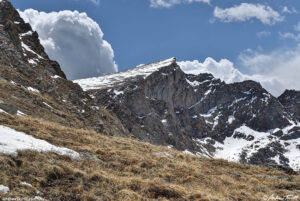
290	99
160	104
34	85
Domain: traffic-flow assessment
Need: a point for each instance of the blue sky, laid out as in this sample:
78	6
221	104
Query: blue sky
140	33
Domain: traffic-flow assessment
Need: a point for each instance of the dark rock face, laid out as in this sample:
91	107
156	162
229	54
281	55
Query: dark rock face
198	113
149	107
18	35
290	99
9	108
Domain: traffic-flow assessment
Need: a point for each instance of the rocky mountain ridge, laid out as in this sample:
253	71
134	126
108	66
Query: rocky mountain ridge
33	85
160	104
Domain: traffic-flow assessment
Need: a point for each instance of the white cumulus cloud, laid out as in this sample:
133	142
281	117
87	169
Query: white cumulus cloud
281	66
170	3
275	71
224	69
74	40
247	11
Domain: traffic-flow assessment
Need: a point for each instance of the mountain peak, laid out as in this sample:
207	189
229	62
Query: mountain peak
116	79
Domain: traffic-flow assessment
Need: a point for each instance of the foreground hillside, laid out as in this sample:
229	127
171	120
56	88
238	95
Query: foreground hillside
111	168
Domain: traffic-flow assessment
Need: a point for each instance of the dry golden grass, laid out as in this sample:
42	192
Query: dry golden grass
129	170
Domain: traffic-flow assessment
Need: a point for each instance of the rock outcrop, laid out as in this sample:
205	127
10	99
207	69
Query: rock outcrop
290	99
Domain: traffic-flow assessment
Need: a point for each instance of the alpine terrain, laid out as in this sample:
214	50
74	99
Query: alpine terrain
150	133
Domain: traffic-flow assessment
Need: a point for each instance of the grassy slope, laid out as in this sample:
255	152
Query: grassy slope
129	170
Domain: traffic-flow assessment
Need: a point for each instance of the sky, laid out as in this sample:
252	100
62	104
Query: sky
234	40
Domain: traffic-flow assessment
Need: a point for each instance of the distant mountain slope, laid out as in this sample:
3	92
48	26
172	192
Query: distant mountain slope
160	104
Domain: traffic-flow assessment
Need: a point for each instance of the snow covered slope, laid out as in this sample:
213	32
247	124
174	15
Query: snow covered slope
246	141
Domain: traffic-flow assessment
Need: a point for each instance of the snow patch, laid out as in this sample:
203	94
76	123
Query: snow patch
117	93
33	89
26	184
231	119
170	146
195	83
188	152
12	82
56	77
39	198
12	141
164	121
2	111
210	112
31	61
237	101
276	159
207	92
47	105
95	108
21	114
3	189
29	33
197	103
247	92
28	49
216	121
